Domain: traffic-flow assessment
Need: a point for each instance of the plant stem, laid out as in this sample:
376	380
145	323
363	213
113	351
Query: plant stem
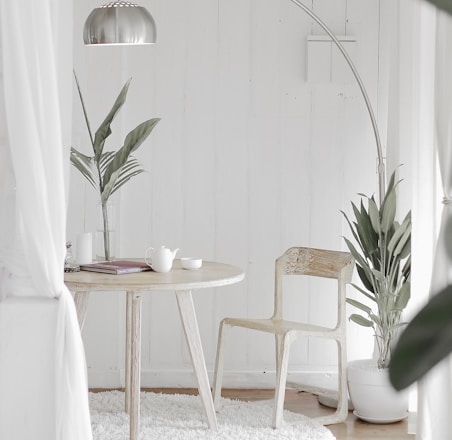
106	230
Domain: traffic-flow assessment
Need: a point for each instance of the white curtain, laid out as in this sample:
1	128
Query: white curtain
435	391
420	134
409	108
36	67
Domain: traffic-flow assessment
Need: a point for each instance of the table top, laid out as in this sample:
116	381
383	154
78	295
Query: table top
211	274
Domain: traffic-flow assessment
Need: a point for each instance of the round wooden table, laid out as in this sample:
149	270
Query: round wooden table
182	282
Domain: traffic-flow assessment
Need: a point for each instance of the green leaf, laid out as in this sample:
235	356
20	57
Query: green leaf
352	228
360	320
404	242
445	5
403	296
398	233
104	129
132	142
406	270
368	295
359	305
388	211
366	232
130	169
356	255
365	275
426	341
374	215
379	276
376	319
390	188
84	164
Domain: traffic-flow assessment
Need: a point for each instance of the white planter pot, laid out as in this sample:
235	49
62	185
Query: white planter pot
372	395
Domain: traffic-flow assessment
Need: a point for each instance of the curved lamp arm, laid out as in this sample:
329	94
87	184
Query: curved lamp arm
381	166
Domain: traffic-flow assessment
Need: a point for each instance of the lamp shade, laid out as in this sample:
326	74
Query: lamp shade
119	22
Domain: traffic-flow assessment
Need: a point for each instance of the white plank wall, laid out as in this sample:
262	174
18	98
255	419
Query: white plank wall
248	159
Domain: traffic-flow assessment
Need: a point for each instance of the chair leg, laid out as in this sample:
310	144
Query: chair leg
341	413
219	364
283	344
342	406
278	341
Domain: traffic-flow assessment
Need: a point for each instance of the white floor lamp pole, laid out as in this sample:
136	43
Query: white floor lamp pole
380	165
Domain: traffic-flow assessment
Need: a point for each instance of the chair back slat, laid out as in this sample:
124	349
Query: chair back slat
316	262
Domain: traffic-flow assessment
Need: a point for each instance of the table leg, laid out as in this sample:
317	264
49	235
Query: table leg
127	387
81	299
191	330
134	302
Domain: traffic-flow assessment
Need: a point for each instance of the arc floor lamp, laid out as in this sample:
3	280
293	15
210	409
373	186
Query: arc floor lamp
123	22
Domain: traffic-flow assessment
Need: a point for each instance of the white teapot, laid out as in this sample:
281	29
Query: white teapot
160	259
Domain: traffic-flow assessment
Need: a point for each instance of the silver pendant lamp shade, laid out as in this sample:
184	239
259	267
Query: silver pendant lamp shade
119	22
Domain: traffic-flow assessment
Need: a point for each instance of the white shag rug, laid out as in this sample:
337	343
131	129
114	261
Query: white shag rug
181	417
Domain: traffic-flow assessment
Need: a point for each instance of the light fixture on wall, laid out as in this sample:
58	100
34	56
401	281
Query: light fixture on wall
119	22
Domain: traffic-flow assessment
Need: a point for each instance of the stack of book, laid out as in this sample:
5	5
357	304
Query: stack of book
117	267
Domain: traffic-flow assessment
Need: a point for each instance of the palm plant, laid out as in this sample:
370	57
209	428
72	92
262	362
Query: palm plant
108	171
383	262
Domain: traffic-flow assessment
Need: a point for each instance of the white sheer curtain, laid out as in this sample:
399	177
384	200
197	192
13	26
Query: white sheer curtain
410	134
421	135
36	39
435	391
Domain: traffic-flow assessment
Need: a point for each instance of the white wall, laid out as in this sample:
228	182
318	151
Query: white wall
249	159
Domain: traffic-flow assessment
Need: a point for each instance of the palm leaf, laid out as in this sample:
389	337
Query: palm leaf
130	169
84	164
366	232
406	270
388	211
366	277
374	215
104	129
358	319
364	292
132	142
352	228
105	159
398	233
356	255
359	305
389	189
404	243
403	296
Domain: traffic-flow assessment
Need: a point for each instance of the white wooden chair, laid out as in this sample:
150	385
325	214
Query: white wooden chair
298	261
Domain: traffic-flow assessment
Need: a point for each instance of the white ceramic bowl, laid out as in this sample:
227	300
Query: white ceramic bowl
191	263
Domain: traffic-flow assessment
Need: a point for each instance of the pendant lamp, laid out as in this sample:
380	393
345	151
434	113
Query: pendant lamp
119	22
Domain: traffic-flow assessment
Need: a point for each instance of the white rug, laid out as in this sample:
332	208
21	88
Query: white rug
181	417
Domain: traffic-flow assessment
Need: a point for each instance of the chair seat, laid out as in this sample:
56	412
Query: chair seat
281	326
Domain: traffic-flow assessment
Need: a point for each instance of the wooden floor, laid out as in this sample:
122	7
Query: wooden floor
307	404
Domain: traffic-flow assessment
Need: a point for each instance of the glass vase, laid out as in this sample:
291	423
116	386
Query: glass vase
105	232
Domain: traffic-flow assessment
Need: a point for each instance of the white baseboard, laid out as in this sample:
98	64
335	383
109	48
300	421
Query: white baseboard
231	379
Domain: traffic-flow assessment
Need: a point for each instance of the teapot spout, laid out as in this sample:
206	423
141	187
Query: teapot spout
174	253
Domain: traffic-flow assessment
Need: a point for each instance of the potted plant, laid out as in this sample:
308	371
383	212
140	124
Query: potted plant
107	171
383	260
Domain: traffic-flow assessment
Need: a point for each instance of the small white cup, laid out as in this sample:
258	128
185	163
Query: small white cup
191	263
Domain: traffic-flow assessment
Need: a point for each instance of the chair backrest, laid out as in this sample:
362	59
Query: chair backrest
314	262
